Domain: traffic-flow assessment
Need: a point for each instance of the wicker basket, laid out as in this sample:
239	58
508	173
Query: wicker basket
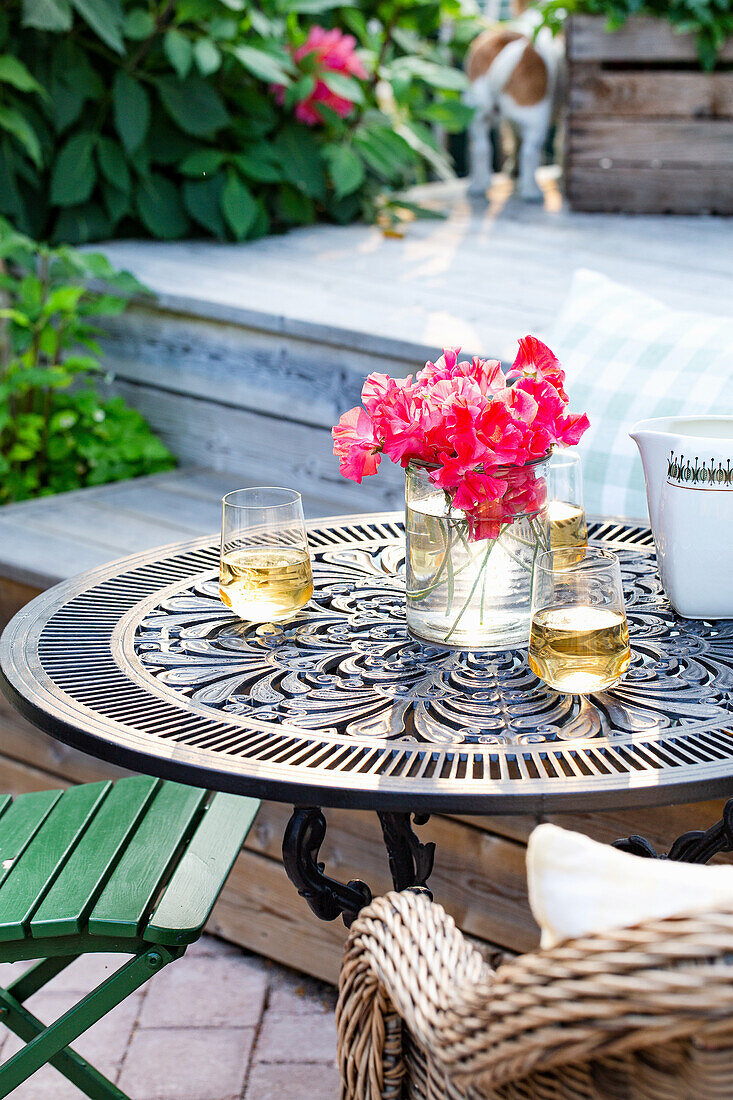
642	1013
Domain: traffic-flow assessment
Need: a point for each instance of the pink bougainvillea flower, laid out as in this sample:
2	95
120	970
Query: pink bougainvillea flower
333	51
356	445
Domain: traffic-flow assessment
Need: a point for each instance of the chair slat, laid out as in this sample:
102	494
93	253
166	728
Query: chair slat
189	897
67	904
36	868
20	823
127	897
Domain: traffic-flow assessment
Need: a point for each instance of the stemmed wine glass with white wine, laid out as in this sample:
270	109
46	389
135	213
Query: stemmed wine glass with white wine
565	511
579	641
265	568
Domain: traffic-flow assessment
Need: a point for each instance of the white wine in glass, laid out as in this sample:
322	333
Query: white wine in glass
565	511
265	568
579	649
579	640
264	584
567	524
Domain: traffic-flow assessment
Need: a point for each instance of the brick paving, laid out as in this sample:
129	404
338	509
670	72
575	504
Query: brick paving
219	1024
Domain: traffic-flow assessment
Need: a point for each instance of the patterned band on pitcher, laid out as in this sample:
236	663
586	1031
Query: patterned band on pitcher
699	474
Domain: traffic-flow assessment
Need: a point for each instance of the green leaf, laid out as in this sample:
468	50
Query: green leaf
264	66
202	199
315	7
257	164
131	110
178	50
113	164
17	125
139	24
116	202
193	105
63	299
204	162
346	169
239	206
387	154
207	56
105	19
159	205
14	72
300	156
345	86
47	15
81	224
437	76
453	115
74	175
294	207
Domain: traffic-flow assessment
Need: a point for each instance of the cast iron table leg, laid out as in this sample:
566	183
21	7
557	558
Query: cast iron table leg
410	863
695	847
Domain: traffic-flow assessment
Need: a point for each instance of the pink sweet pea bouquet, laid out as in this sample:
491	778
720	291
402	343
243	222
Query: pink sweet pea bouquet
466	422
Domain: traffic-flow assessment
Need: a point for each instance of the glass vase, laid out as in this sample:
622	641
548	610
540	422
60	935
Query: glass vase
469	574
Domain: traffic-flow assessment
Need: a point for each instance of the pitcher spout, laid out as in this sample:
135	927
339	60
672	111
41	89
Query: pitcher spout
654	446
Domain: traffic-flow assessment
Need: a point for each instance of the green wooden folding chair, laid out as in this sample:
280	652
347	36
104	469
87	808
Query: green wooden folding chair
133	867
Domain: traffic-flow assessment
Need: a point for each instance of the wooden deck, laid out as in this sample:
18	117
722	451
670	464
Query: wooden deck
481	278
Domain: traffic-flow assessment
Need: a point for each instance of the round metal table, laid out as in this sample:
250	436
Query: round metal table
140	663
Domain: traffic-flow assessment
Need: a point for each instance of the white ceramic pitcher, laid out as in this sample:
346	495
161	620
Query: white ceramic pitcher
688	467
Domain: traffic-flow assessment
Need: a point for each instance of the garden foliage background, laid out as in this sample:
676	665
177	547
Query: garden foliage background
175	118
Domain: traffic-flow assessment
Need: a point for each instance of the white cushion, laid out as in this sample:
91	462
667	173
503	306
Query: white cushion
628	357
578	886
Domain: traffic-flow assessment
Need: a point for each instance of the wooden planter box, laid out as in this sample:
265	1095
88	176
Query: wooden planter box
648	132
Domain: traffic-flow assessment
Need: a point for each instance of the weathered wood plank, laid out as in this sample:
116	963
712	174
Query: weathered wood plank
646	190
661	825
651	143
599	92
640	39
239	366
479	877
22	742
258	445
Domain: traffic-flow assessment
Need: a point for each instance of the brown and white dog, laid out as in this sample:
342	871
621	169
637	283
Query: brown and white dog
516	77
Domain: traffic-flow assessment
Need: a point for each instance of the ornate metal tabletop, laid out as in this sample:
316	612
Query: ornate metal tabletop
140	663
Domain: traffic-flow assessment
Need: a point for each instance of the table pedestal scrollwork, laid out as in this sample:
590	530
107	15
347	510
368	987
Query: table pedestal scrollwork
698	846
410	862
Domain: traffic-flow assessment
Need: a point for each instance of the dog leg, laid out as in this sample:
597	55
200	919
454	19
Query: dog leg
481	154
535	128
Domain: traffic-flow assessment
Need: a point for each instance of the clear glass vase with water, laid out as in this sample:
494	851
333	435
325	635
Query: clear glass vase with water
469	574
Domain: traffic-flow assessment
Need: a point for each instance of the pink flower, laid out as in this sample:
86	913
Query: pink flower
475	431
333	51
535	360
356	445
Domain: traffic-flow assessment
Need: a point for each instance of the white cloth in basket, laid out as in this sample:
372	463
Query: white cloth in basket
578	886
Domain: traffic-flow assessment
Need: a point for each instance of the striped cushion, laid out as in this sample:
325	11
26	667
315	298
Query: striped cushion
628	357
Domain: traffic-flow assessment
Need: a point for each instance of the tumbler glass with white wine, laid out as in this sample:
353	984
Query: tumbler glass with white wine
565	512
579	641
265	568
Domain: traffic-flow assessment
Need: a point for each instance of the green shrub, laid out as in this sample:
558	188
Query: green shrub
56	433
160	117
711	21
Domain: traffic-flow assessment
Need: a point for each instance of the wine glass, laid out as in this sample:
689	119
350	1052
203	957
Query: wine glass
565	512
579	641
265	568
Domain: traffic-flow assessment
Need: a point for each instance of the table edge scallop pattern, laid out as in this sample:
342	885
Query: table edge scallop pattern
72	657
